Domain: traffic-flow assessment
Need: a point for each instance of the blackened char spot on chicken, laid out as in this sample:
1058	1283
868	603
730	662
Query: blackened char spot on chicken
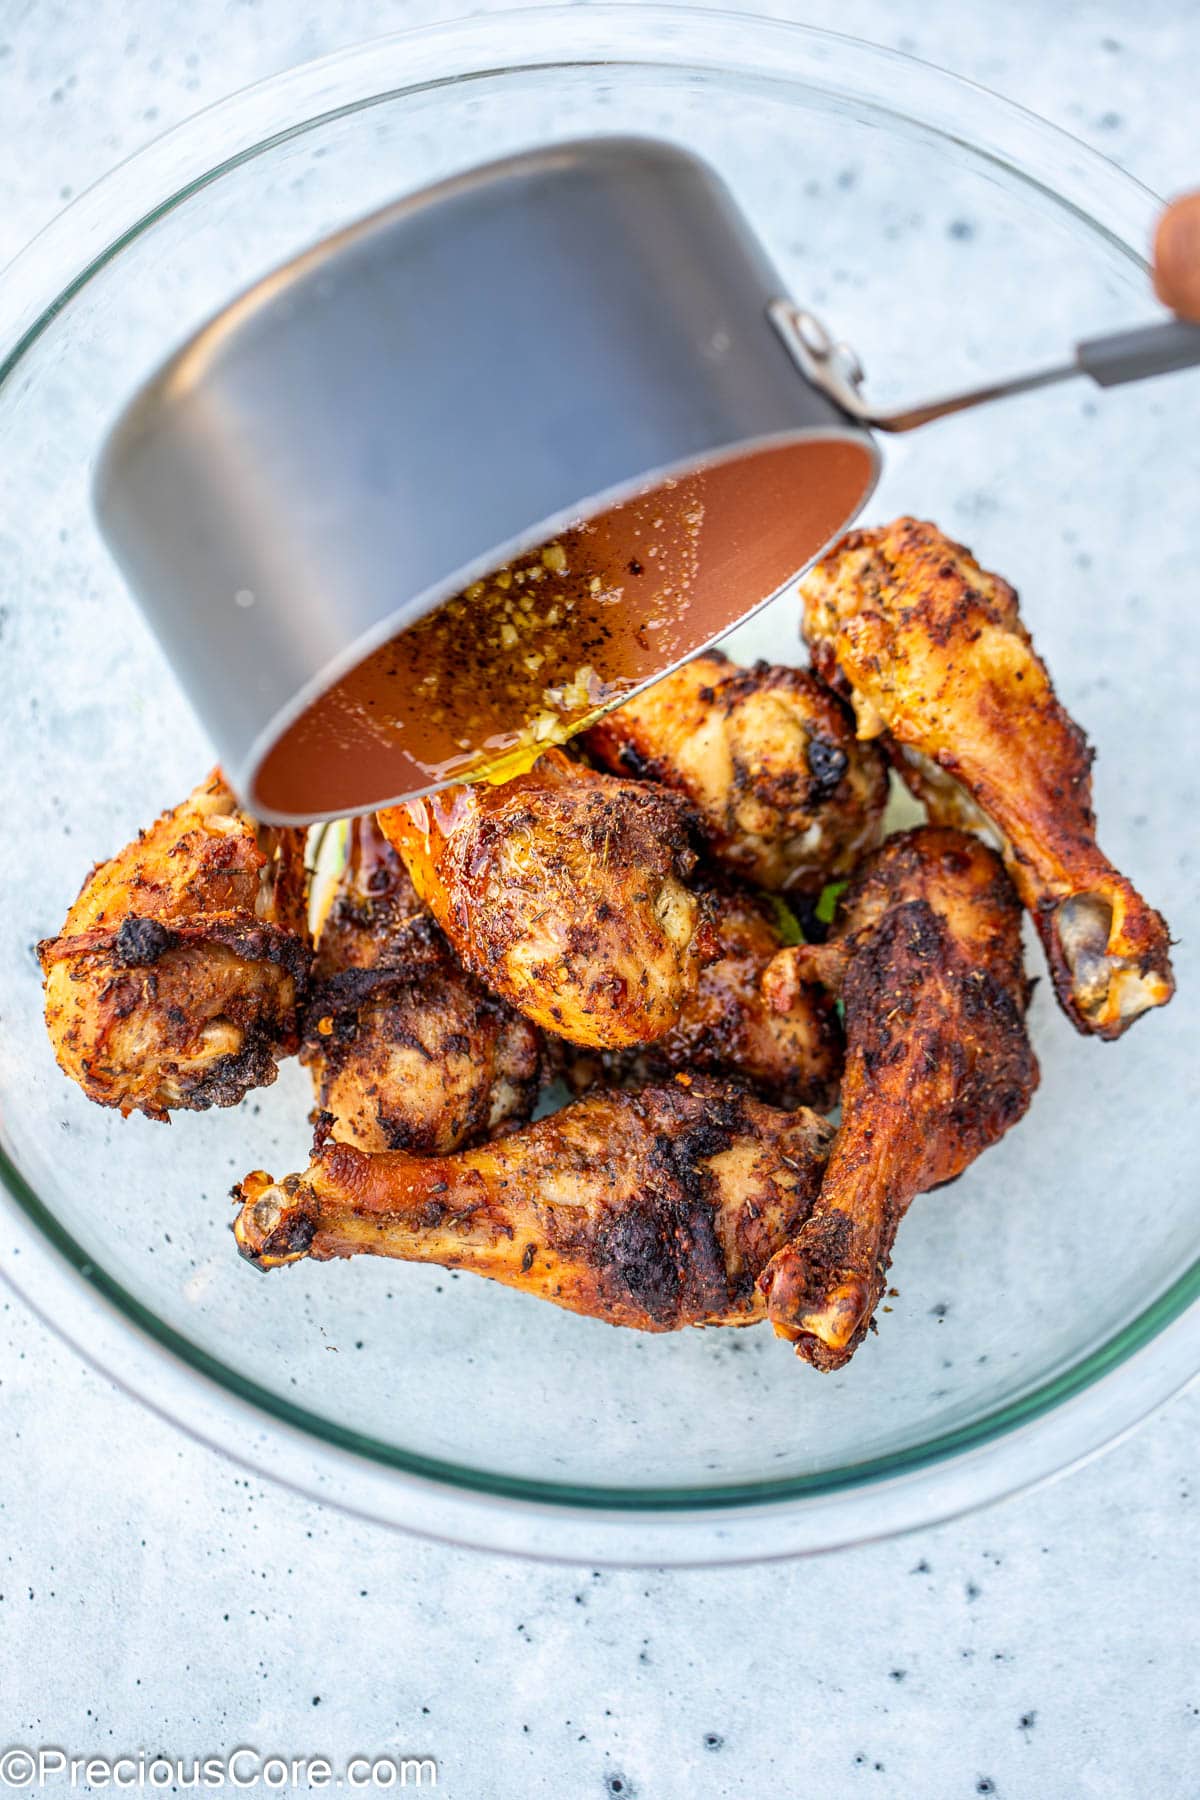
140	942
827	763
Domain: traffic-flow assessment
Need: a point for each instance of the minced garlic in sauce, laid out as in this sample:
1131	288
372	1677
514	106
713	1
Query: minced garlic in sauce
525	658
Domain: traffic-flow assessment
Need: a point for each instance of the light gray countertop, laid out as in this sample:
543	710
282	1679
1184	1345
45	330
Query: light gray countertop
153	1596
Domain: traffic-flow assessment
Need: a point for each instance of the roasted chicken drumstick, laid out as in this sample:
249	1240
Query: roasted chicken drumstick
653	1210
932	652
927	953
177	977
370	902
566	892
788	1055
787	797
407	1050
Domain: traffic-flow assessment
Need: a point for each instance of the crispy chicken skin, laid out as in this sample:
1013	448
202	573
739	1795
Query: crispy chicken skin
788	1055
371	901
926	951
932	651
177	977
407	1050
653	1210
566	892
787	797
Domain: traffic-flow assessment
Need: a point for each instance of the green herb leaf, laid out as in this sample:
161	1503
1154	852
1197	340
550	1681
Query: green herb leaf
827	904
786	922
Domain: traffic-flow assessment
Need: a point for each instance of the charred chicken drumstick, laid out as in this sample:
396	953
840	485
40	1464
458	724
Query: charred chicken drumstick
408	1051
565	891
176	979
932	651
787	797
788	1056
654	1210
370	901
927	952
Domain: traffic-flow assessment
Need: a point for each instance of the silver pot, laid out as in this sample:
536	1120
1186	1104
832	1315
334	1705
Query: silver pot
585	333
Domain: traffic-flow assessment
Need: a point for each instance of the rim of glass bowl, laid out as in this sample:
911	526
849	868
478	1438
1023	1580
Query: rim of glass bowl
1069	1416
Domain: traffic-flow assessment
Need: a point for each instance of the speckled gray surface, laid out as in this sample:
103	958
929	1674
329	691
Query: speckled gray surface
152	1596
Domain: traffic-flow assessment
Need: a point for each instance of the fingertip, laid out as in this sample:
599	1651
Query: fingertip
1177	257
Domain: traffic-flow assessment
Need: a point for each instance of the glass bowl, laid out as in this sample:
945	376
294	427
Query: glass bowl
1043	1301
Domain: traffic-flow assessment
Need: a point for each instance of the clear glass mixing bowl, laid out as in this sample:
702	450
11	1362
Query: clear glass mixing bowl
1043	1300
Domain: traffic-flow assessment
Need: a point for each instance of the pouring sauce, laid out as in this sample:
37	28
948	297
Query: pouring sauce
530	655
534	653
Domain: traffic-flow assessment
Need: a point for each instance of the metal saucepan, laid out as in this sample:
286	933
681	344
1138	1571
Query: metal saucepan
584	340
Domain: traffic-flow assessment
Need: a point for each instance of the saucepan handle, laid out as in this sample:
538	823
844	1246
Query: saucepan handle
1146	350
1134	355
